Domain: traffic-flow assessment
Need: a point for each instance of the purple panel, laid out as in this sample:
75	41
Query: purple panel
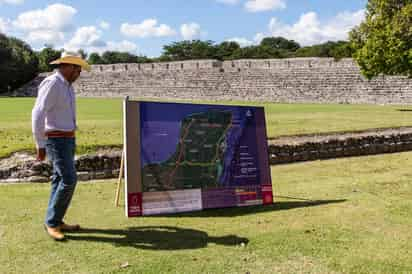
219	197
219	149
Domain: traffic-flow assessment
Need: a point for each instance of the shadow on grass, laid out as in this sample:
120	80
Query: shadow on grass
155	237
240	211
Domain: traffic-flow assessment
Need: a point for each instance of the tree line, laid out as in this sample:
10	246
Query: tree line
270	47
382	44
18	63
18	60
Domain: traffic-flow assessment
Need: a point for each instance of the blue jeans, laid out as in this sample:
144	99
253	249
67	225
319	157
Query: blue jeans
60	151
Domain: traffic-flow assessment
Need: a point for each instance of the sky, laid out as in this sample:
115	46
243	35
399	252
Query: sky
144	27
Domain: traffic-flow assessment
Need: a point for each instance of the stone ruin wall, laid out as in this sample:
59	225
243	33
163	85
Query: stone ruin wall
297	80
300	80
105	166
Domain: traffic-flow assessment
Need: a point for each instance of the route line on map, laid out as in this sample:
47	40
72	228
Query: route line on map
186	131
182	149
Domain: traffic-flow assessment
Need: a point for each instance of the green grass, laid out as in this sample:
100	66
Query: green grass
349	215
100	121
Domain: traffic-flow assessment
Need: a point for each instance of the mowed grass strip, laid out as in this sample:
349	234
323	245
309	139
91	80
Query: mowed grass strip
100	121
349	215
99	124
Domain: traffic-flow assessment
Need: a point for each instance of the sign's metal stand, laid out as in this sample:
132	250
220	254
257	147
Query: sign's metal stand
119	181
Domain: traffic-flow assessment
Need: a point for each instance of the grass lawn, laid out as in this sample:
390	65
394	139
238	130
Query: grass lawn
100	121
350	215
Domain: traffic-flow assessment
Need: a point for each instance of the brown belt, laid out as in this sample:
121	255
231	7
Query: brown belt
60	134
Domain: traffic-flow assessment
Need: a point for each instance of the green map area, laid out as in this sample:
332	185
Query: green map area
198	159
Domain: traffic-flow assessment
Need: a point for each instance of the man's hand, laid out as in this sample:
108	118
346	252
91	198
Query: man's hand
41	154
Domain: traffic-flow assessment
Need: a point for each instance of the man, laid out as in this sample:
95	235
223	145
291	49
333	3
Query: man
54	125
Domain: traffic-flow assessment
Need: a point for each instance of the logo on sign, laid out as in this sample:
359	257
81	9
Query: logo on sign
135	204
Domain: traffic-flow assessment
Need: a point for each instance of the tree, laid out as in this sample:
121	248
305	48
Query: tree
225	50
82	53
280	43
125	57
110	57
338	50
5	50
246	52
115	57
186	50
143	59
383	42
162	58
95	59
203	49
6	58
342	49
45	56
18	63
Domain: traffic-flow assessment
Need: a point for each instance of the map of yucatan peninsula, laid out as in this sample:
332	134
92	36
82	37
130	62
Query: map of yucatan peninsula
198	157
195	156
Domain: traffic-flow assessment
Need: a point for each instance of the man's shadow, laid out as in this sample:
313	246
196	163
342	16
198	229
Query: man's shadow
155	237
177	238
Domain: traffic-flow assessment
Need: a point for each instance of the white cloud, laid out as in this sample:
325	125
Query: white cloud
264	5
47	25
259	37
340	25
4	25
85	37
229	2
122	46
308	30
45	37
243	42
104	25
89	38
190	31
148	28
12	2
56	17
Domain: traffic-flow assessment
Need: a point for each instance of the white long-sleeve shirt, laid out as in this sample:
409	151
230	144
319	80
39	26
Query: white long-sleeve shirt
55	108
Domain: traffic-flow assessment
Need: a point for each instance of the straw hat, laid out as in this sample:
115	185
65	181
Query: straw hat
71	58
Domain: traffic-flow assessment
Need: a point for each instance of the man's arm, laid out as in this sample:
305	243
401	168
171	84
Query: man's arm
46	98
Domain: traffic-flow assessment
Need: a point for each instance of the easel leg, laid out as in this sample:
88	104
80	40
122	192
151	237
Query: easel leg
119	181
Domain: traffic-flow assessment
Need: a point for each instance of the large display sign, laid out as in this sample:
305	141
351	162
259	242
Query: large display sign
187	157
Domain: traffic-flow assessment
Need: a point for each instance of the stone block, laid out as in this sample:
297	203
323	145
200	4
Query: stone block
38	179
83	176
